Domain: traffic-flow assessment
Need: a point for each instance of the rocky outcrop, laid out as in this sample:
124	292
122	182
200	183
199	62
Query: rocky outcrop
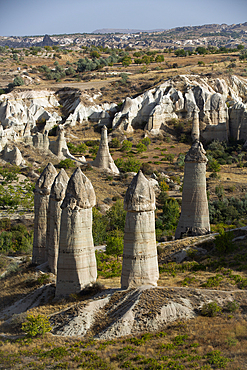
76	267
221	105
13	155
41	202
41	141
180	97
104	159
57	195
140	263
194	218
59	147
18	109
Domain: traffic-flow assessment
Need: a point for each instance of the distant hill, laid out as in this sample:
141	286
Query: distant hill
125	30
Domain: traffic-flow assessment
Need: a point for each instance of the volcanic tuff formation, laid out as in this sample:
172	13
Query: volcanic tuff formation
41	202
140	262
220	102
194	218
76	267
104	159
57	195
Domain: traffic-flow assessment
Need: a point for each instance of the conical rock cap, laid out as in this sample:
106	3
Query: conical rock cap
140	196
196	153
59	185
80	192
45	181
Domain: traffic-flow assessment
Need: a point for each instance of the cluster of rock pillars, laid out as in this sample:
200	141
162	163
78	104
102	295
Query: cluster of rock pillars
63	220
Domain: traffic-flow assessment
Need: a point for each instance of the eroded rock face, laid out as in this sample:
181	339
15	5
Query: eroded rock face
57	195
13	156
76	267
41	202
194	218
140	263
104	159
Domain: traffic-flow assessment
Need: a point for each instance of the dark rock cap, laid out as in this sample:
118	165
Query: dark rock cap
196	153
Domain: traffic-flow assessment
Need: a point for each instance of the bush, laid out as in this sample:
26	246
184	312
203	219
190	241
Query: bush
66	163
115	143
210	309
36	325
146	141
15	239
116	216
169	218
223	242
126	146
213	166
114	243
130	165
140	147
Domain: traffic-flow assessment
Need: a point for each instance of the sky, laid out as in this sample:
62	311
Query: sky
40	17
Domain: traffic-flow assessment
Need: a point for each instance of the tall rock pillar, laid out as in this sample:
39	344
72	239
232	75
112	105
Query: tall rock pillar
140	262
58	190
41	202
104	159
194	218
76	266
195	132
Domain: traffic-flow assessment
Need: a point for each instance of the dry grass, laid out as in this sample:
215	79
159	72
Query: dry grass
180	346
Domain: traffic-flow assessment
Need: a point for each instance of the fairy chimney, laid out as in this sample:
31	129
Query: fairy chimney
194	218
41	202
76	266
104	159
57	195
195	132
140	262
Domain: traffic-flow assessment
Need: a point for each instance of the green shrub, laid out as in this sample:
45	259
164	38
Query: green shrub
66	163
223	242
130	165
115	143
140	147
146	141
215	358
126	146
210	309
114	243
36	325
231	306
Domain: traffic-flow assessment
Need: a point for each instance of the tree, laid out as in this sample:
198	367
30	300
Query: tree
126	61
170	214
240	47
116	216
114	244
18	81
180	53
159	58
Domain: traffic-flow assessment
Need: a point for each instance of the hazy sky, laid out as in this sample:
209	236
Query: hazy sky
32	17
